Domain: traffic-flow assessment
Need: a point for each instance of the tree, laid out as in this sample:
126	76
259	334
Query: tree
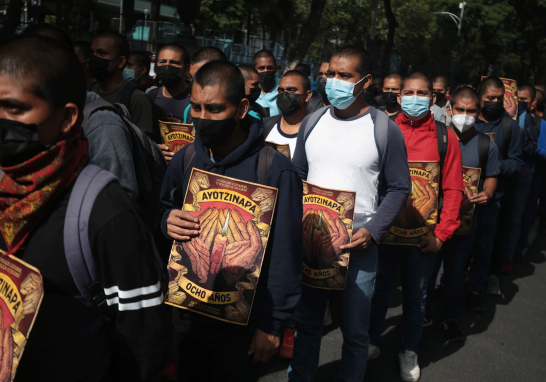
393	24
12	19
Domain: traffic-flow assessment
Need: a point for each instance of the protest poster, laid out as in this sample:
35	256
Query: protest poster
282	148
21	293
328	217
471	181
217	273
510	96
176	135
421	209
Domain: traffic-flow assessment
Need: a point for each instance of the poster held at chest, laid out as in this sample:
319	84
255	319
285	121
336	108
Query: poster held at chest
421	209
471	181
217	273
284	149
21	293
328	217
176	135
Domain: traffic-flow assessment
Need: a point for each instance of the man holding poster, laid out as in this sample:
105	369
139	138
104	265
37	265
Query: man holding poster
343	149
235	267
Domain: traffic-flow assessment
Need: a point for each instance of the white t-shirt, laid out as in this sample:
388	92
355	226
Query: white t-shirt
342	154
276	135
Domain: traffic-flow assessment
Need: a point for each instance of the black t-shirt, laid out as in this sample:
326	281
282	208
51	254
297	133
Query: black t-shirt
70	340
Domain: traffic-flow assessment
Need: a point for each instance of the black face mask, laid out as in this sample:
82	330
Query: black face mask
368	94
321	87
212	133
440	96
522	106
267	79
168	75
493	108
99	67
254	94
288	103
390	98
18	142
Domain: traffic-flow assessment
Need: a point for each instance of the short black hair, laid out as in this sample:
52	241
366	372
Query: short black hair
465	93
488	83
264	53
353	51
224	74
418	76
394	76
303	78
85	48
247	70
45	67
120	42
141	58
304	68
48	30
530	89
441	80
208	54
540	99
177	48
326	59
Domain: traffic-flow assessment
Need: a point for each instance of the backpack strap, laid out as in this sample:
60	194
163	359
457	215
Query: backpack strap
265	158
126	93
95	105
506	133
441	131
188	158
270	124
483	154
381	131
152	94
538	123
312	121
85	272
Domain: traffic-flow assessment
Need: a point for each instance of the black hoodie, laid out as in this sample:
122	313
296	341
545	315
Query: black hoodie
279	287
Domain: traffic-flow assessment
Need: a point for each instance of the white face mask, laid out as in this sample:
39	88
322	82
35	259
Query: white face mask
462	122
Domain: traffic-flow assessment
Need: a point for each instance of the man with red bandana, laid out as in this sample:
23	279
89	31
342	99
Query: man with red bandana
42	153
417	262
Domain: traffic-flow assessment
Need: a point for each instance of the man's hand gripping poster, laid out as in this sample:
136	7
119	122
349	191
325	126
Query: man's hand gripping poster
328	217
216	273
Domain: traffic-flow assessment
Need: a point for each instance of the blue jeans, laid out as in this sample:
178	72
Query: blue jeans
483	245
454	254
509	226
528	212
415	270
354	312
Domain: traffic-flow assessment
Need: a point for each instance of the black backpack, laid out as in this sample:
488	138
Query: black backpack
149	162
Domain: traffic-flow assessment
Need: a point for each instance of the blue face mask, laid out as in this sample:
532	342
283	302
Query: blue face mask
340	93
415	107
129	75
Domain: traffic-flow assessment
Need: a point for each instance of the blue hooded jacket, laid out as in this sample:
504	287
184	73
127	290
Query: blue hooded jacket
529	143
279	287
510	157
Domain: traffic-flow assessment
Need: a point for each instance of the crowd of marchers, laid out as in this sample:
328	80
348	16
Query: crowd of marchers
74	113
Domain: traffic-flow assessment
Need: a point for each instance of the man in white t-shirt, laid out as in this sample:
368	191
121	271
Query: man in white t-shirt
294	93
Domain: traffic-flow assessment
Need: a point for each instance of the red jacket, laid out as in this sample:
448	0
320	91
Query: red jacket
422	145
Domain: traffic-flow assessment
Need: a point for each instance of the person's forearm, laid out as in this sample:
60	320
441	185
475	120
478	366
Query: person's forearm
490	185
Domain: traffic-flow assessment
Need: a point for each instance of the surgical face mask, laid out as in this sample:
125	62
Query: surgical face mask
493	108
415	107
98	67
390	98
254	94
340	93
19	141
212	133
267	79
129	75
168	75
462	122
288	103
321	86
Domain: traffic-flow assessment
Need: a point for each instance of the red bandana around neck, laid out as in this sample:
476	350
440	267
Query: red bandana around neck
28	189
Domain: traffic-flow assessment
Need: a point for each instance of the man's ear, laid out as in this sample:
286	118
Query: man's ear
448	90
399	98
309	96
71	117
244	107
122	62
433	99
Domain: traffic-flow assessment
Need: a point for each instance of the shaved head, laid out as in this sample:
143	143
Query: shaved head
441	80
394	76
418	76
490	83
530	89
465	93
540	99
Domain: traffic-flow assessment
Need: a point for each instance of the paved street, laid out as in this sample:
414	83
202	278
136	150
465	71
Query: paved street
507	343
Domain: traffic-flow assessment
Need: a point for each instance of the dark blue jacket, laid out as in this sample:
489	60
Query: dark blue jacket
529	143
279	287
510	157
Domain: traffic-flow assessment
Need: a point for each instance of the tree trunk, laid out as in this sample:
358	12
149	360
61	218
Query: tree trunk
154	12
129	18
308	32
248	26
65	24
12	18
393	24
